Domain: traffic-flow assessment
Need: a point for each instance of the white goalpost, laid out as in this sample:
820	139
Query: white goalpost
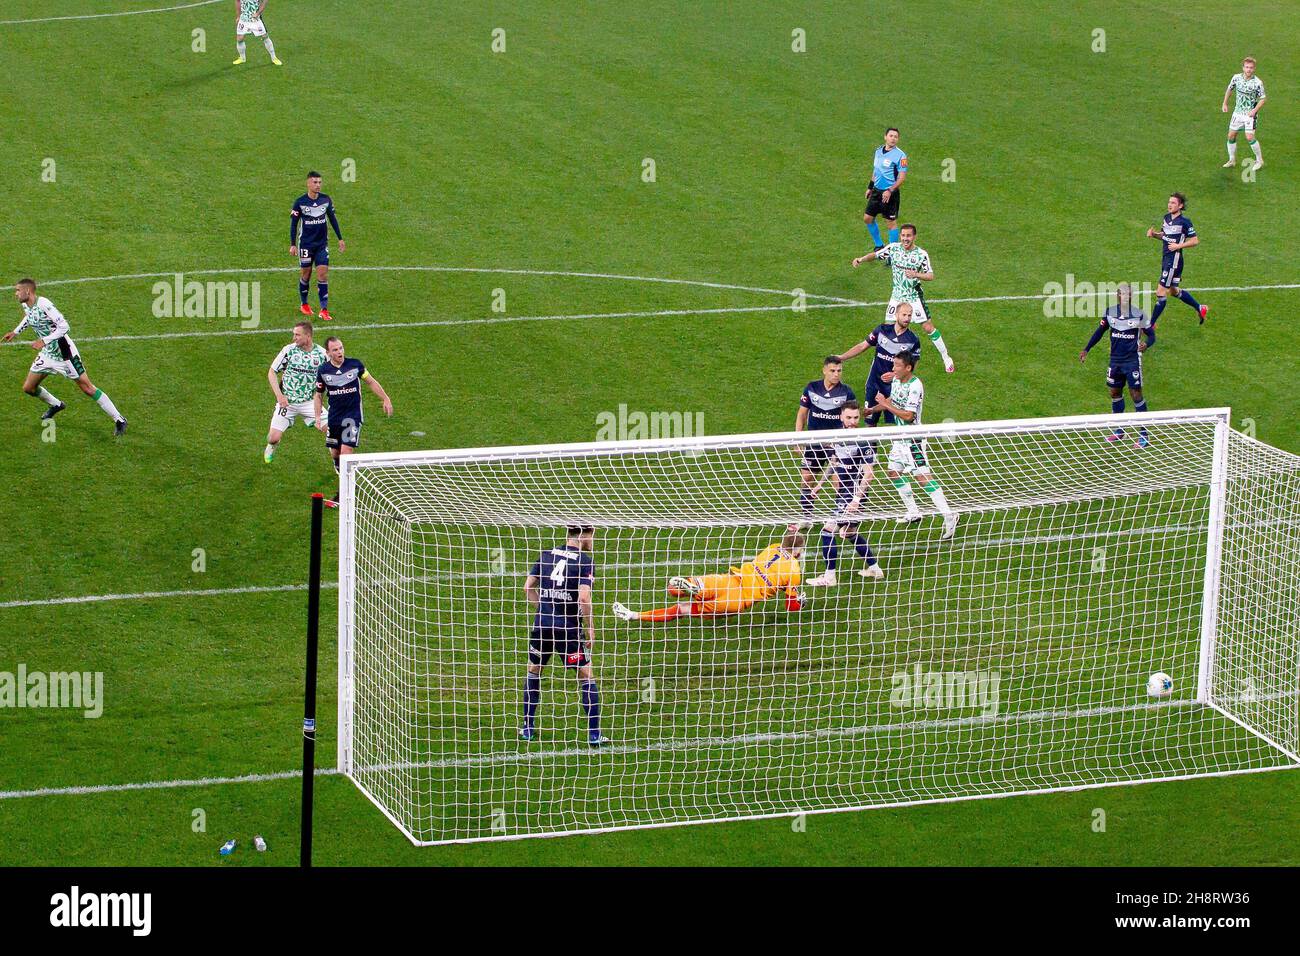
1010	658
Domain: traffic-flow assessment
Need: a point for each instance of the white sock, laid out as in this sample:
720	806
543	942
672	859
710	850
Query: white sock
239	48
270	47
46	397
106	403
270	449
909	499
940	500
1232	150
937	339
1254	145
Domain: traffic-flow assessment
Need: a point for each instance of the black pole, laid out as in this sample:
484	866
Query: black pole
309	704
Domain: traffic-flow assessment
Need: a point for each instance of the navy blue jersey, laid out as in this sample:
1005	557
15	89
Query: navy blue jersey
850	458
887	342
824	404
309	221
341	385
1124	328
560	572
1175	229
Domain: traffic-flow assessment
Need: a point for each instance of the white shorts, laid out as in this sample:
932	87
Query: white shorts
70	367
255	27
908	457
1241	121
282	420
918	310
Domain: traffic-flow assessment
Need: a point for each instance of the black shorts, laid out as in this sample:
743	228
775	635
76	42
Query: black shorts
346	432
876	206
565	641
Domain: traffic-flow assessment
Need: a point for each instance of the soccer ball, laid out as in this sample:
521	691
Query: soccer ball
1160	684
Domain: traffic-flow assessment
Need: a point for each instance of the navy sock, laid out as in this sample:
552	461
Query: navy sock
1187	297
303	289
806	500
864	549
830	550
532	696
1141	407
591	704
1160	307
1117	405
323	291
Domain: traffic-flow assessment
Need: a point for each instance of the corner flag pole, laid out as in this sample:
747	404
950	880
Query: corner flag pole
309	704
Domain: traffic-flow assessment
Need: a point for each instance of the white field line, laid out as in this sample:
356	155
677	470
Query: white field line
789	736
823	301
120	13
159	784
890	550
469	270
493	320
662	746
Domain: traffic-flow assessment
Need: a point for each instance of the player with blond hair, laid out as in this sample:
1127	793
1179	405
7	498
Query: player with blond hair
250	21
1245	111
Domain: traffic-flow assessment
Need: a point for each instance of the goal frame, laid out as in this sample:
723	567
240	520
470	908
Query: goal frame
1220	417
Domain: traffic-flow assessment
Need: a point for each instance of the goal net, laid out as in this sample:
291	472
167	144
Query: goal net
1012	657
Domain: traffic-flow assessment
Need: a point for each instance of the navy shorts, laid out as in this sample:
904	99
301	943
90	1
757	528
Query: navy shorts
1118	375
874	384
1171	269
565	641
815	458
346	432
843	498
320	256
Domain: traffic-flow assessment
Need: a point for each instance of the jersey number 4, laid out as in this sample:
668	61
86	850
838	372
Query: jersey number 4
559	573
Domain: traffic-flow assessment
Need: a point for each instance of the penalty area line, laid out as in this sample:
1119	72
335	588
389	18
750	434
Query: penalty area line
494	320
466	270
108	16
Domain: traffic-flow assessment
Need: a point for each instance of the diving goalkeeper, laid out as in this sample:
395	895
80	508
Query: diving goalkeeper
775	569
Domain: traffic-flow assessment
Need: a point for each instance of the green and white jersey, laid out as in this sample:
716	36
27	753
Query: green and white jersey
248	13
905	289
1249	92
47	323
299	367
908	396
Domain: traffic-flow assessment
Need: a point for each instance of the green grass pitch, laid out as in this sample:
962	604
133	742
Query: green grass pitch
1033	157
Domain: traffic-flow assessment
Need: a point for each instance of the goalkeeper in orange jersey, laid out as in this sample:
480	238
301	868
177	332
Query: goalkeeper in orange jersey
775	569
